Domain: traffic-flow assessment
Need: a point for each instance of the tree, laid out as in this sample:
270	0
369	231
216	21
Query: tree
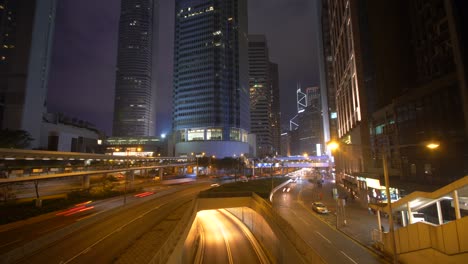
15	139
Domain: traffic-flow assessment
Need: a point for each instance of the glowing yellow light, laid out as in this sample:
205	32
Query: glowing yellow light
432	145
332	145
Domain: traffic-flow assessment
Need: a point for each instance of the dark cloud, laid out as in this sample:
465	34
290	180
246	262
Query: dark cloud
85	48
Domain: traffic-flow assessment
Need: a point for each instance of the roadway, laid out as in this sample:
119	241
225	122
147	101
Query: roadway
225	239
100	234
332	245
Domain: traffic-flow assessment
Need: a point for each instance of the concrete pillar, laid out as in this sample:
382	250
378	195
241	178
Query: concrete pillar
410	215
456	204
161	173
85	181
439	213
403	217
379	221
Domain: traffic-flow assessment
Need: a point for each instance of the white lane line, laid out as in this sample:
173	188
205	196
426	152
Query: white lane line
86	217
108	235
300	218
12	242
348	257
50	229
257	248
323	236
226	241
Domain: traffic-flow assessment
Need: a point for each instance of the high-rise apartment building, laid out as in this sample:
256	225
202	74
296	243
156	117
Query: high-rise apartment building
211	96
26	32
134	103
261	94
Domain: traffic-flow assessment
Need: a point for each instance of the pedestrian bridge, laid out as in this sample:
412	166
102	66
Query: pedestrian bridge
443	240
296	162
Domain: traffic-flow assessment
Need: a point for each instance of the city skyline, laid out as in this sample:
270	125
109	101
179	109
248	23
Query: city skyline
82	79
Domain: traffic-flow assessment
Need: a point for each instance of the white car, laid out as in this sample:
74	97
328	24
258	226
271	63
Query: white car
320	208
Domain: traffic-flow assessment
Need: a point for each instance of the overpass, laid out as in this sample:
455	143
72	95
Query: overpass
295	162
443	239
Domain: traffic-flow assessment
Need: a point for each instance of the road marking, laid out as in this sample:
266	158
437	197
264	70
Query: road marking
87	216
323	236
50	229
300	218
12	242
260	254
111	233
348	257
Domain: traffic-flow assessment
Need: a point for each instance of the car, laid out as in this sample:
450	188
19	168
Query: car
320	208
215	185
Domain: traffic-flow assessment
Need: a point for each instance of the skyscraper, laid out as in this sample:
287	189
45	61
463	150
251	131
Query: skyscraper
260	94
211	97
275	108
26	32
399	76
134	111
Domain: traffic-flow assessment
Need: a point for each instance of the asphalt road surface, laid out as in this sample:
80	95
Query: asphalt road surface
332	245
107	237
225	240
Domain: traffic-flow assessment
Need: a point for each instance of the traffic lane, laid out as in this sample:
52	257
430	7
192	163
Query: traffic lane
109	247
316	228
17	235
313	235
225	240
75	244
352	250
241	246
214	240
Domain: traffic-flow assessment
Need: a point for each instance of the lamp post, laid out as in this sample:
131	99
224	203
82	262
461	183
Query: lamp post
197	156
389	202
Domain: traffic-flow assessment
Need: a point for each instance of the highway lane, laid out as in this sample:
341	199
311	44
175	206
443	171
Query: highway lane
105	239
226	240
17	234
332	245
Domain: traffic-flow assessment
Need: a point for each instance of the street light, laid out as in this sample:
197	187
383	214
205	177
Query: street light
197	156
332	145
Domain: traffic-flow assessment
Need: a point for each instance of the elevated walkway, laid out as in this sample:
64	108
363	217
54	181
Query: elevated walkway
443	239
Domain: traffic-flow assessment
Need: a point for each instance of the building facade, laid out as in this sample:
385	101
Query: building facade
26	33
275	109
261	95
211	96
134	103
398	72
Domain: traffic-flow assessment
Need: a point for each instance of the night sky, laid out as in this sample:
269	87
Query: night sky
82	76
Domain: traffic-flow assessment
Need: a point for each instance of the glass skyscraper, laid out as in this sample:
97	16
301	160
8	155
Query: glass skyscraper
134	94
211	96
